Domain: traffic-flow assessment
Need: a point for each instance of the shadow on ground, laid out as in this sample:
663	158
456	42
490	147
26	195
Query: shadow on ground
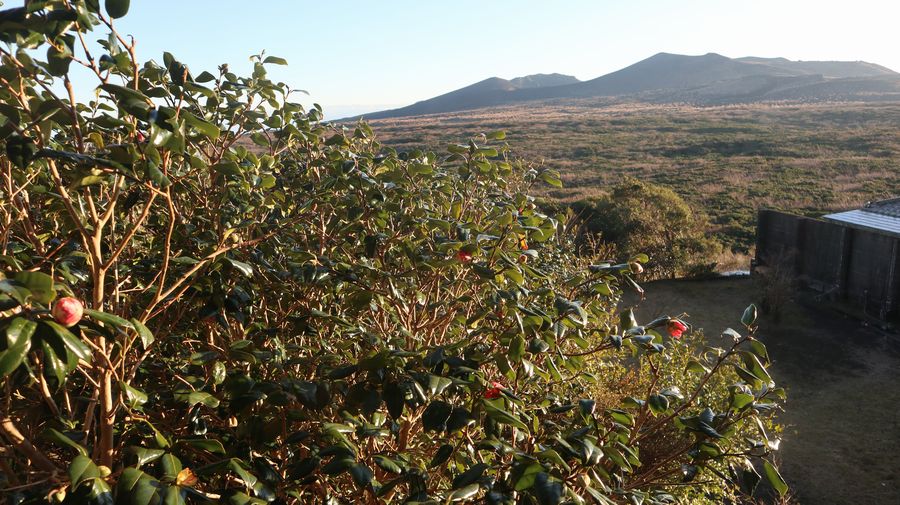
841	440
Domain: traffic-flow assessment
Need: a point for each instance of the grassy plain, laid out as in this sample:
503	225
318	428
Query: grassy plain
727	160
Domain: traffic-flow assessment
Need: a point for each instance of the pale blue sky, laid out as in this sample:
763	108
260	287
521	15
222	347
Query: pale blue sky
357	56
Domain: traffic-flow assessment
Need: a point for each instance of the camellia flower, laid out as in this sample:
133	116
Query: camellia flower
493	391
67	311
464	256
676	328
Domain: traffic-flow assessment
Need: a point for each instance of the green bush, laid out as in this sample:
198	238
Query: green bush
639	216
281	310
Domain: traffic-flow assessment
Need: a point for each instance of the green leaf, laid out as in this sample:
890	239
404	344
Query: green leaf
337	466
170	466
627	320
516	348
741	400
110	319
143	332
470	476
135	487
227	168
15	291
61	439
205	77
435	416
20	150
621	417
134	397
207	444
775	478
58	61
81	469
18	343
695	366
116	8
387	464
156	175
59	362
122	93
40	285
206	128
760	350
526	479
465	493
71	342
504	417
546	490
362	475
552	178
441	456
174	496
275	60
145	455
658	403
749	316
195	397
241	267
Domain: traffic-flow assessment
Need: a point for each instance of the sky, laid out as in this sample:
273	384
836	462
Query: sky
359	56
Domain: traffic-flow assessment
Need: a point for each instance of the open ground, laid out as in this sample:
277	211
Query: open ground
728	161
841	439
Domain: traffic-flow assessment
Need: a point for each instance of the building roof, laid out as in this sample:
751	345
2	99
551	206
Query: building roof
882	216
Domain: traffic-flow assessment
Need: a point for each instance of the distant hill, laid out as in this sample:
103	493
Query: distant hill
664	77
493	91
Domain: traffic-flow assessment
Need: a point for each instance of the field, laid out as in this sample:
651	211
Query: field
729	160
841	443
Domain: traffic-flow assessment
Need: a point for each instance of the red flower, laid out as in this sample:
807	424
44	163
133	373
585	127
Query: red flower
67	311
464	256
494	391
676	328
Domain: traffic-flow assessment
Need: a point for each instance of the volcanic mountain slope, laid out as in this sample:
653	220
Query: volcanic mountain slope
664	77
486	93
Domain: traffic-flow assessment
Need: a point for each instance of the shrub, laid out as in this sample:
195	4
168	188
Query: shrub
314	317
639	216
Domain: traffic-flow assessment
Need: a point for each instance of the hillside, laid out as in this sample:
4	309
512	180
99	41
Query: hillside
486	93
672	78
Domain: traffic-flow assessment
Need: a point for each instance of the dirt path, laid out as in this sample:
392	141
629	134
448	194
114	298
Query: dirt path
841	443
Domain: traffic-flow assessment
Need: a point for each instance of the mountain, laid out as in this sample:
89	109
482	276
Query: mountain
542	81
493	91
707	79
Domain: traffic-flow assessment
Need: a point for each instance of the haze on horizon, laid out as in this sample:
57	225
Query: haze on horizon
354	57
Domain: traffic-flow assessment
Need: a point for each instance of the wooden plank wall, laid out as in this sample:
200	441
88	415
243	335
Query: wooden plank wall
860	268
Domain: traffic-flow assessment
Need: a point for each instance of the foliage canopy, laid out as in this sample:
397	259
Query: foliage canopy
639	216
315	317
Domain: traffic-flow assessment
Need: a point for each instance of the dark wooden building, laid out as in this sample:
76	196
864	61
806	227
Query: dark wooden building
851	258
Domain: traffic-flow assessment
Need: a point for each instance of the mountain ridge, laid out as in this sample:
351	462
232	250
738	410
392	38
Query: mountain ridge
667	77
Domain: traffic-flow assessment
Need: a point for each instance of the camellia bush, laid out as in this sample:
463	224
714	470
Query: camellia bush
210	295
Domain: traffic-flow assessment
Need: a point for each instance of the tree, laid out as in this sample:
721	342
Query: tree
641	217
280	309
